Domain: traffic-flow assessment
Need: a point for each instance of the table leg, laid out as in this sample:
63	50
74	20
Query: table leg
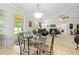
28	47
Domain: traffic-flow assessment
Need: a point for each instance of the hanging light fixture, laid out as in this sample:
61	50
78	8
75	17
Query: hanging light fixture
38	14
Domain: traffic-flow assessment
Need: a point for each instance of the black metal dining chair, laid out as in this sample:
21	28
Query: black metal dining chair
24	44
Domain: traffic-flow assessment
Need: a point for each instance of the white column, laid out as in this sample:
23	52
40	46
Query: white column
9	29
26	24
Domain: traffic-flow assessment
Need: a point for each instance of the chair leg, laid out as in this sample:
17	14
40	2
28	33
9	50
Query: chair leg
37	52
20	53
51	52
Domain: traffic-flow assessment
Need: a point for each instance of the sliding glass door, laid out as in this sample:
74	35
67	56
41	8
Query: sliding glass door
18	25
2	27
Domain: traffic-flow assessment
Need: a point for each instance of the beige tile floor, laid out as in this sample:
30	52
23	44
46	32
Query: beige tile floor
63	45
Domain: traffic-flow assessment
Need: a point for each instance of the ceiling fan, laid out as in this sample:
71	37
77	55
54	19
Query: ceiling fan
63	17
70	13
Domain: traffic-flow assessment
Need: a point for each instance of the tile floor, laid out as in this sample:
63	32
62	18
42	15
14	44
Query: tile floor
63	45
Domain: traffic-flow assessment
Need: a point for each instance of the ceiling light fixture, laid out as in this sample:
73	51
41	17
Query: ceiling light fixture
38	14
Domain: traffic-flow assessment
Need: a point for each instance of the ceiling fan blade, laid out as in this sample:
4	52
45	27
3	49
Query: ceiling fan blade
74	16
76	12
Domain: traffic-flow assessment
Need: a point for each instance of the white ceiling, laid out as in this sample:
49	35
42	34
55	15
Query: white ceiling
50	10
